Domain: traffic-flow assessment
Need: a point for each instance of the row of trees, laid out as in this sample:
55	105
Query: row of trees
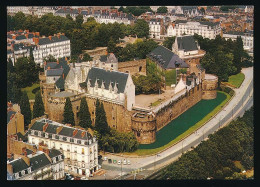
223	58
138	49
135	10
215	157
83	36
109	139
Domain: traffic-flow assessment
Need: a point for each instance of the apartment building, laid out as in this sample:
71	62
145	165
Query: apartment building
78	146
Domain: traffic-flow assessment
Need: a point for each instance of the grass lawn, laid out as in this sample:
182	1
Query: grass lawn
236	80
157	102
184	125
30	92
170	77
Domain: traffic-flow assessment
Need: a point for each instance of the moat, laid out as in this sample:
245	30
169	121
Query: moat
184	121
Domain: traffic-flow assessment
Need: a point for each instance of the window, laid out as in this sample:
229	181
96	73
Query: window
75	149
82	152
32	140
46	135
61	146
53	144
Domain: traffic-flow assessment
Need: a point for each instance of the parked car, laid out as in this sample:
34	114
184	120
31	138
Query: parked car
119	162
99	157
84	178
128	162
77	178
124	162
105	158
109	161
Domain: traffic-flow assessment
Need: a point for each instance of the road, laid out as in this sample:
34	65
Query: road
154	162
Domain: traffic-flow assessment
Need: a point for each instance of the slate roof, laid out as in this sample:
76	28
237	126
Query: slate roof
18	165
180	21
22	137
209	23
186	43
65	131
39	161
235	33
9	51
54	72
67	11
166	58
108	58
20	46
54	153
54	39
9	114
107	77
21	37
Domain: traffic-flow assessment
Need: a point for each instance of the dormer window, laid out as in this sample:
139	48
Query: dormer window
46	135
75	141
39	133
53	136
54	160
32	132
29	170
59	157
17	175
68	139
60	138
23	172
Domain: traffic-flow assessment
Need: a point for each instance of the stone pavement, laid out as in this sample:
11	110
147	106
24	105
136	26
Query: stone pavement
175	150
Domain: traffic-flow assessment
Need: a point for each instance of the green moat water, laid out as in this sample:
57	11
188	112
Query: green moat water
184	122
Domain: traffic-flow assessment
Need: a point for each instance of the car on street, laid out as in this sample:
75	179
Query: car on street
84	178
105	158
124	162
119	162
128	162
109	161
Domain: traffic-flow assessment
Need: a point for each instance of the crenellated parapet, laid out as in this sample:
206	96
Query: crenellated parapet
144	127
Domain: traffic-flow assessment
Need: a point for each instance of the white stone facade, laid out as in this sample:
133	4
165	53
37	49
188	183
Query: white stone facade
155	29
80	158
57	49
248	40
190	28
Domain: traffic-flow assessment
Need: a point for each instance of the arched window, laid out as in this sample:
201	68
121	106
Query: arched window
140	68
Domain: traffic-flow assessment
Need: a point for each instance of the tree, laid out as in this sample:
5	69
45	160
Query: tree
50	58
238	54
38	107
84	115
68	114
101	124
86	57
19	20
168	42
162	9
79	20
141	28
25	109
111	47
10	67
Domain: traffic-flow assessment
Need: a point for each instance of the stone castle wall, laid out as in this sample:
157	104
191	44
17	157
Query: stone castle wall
172	111
209	88
133	67
144	129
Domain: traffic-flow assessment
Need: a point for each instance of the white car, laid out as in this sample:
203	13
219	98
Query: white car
124	162
105	158
119	162
84	178
128	162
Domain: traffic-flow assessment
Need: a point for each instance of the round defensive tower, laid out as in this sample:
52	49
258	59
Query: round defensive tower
209	87
144	127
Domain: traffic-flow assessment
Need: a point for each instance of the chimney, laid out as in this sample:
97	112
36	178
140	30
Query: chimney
75	132
66	58
58	61
49	67
50	37
83	134
58	130
59	35
36	41
37	33
24	150
27	31
63	75
14	37
79	9
20	30
45	127
26	35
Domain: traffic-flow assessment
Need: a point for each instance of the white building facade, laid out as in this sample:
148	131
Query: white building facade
155	28
57	46
79	148
205	29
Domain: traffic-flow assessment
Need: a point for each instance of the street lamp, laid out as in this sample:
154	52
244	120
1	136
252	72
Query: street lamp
182	145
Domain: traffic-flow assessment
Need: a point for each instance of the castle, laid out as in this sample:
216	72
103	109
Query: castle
101	79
